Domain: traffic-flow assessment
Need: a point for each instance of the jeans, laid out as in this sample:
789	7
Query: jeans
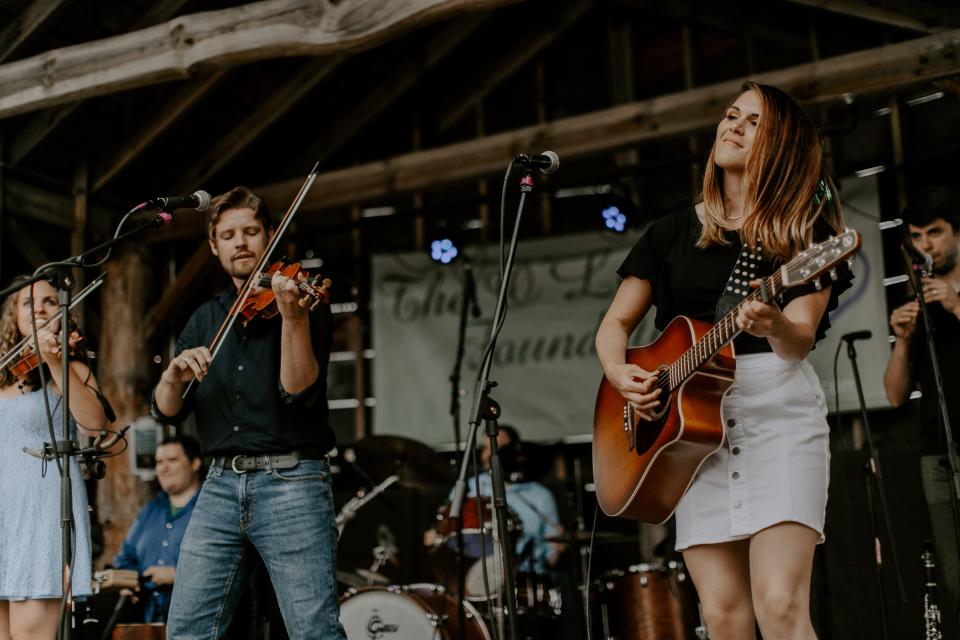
936	487
287	516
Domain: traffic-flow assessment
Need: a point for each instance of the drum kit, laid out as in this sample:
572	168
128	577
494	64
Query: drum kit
642	601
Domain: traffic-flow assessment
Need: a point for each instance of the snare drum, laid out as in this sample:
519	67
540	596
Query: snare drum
648	601
411	612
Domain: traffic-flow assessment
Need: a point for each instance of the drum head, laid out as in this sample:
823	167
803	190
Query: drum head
474	587
380	612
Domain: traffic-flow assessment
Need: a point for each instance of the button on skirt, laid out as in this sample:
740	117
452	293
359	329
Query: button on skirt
775	464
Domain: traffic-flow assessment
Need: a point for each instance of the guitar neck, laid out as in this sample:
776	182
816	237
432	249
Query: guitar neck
718	336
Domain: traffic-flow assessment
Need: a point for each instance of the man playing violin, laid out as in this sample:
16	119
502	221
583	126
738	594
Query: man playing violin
262	415
933	219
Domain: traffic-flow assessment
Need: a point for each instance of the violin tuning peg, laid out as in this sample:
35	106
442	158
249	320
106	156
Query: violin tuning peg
303	302
327	283
315	303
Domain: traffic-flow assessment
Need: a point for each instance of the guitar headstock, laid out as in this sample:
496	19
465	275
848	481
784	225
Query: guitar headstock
819	259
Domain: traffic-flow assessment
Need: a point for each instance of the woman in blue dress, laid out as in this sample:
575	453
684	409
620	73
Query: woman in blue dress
30	548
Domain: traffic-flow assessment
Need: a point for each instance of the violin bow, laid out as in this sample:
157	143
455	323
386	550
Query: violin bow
14	351
253	279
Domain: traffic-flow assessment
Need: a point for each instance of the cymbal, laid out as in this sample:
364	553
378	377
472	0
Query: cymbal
417	464
583	537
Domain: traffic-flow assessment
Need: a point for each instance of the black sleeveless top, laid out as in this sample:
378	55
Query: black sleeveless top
688	281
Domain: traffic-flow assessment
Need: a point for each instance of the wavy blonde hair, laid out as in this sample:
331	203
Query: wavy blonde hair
786	186
10	335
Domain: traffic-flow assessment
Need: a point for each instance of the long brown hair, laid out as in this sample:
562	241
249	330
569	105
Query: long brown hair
786	186
10	335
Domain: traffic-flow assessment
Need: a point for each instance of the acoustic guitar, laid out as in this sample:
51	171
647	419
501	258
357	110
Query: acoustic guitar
642	468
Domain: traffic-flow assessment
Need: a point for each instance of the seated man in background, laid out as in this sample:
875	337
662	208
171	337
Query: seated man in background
152	546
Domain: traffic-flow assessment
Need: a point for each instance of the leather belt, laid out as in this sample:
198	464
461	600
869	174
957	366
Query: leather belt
244	462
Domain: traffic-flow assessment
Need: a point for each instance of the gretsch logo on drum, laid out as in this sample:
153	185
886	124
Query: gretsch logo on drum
376	628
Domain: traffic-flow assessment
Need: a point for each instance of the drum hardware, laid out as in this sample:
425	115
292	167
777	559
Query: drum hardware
362	497
412	612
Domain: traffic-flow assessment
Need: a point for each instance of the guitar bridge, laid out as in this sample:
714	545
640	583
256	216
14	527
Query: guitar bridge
629	427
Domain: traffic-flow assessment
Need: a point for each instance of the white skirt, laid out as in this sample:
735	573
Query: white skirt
775	464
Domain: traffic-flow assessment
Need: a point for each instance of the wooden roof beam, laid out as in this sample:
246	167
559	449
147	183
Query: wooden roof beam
337	134
24	243
869	11
257	31
510	61
171	111
277	103
40	126
883	69
31	19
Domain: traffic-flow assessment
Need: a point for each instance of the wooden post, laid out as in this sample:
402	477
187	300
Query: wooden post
78	238
355	330
123	378
896	141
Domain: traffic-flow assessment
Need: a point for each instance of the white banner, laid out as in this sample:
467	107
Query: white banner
545	364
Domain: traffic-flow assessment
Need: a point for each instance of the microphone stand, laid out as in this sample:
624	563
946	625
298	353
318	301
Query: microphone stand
952	456
874	480
60	276
486	408
468	300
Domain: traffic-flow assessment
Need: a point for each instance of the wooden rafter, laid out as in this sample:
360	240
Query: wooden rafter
162	313
171	111
256	31
870	11
514	58
24	243
338	133
21	27
883	69
43	124
267	112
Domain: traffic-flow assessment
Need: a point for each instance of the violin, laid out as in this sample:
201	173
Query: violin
264	303
29	358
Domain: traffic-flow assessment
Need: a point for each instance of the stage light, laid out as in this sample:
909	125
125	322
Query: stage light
613	219
443	251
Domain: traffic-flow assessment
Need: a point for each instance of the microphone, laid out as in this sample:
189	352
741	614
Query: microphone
199	200
857	335
921	261
547	162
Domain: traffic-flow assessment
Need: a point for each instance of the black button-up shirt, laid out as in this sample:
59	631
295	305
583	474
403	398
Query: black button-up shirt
240	406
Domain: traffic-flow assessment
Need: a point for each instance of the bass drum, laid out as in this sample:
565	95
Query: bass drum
411	612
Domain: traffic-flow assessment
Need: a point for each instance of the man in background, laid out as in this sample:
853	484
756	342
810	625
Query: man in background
152	546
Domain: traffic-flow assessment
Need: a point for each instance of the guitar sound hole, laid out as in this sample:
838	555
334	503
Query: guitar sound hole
648	432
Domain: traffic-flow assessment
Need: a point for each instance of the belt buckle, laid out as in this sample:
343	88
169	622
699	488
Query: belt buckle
233	465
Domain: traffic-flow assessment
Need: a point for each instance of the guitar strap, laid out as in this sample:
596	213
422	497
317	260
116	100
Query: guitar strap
738	284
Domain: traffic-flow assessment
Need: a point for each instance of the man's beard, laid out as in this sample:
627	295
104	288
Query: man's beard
949	263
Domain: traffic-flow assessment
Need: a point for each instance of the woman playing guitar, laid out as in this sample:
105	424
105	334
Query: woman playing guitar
30	538
753	514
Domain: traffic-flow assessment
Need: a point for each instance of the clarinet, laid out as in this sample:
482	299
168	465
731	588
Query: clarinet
931	612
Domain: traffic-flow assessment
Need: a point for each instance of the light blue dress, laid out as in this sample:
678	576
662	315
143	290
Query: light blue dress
30	547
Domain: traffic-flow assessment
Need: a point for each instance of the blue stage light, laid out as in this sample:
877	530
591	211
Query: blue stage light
613	219
443	251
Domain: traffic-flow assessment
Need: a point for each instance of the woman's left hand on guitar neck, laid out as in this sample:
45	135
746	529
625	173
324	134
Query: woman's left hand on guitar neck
791	332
